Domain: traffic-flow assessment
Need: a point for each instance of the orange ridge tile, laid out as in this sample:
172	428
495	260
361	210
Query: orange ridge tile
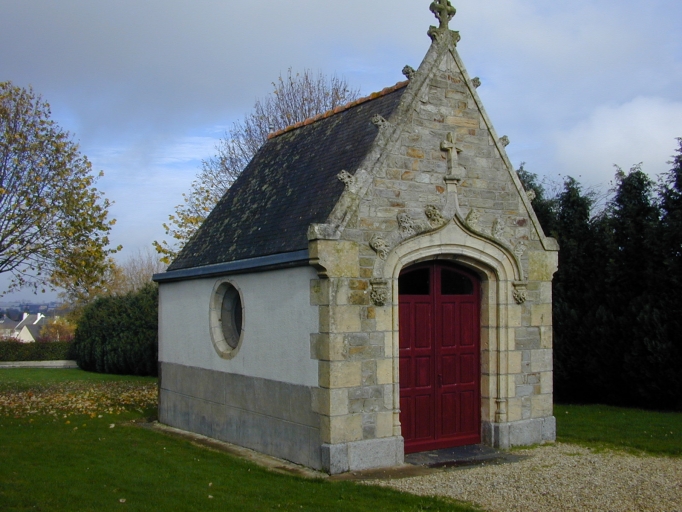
340	108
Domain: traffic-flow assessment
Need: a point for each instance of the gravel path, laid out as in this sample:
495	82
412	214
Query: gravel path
560	477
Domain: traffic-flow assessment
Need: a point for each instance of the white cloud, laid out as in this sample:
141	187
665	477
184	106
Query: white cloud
642	130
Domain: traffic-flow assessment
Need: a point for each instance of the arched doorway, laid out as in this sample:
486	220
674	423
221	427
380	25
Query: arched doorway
440	374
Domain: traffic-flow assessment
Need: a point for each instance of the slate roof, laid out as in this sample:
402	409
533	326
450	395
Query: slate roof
7	325
290	183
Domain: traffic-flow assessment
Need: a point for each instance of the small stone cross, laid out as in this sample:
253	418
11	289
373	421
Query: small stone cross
444	11
450	145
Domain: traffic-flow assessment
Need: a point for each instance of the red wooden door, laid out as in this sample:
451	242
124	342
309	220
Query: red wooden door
440	404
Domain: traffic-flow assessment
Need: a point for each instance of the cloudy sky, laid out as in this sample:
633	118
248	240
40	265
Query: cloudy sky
148	86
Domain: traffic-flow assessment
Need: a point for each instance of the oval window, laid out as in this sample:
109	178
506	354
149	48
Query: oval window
227	318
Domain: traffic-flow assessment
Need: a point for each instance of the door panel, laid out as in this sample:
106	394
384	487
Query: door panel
439	357
448	322
424	417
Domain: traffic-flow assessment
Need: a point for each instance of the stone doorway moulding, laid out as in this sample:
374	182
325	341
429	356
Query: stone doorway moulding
499	271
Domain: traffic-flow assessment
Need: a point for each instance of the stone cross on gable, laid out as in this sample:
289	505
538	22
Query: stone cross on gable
455	171
444	11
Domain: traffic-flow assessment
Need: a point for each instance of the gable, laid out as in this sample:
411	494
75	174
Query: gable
442	159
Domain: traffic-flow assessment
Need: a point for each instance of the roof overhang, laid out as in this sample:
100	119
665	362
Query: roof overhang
260	264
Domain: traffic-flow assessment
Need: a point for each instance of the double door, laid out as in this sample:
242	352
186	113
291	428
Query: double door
440	376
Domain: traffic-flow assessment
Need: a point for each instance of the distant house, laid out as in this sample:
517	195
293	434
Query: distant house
7	326
28	329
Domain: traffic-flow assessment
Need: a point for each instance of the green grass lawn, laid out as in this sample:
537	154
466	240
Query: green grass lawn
633	430
69	441
28	378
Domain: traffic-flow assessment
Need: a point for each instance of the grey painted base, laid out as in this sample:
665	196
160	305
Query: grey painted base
358	455
267	416
519	433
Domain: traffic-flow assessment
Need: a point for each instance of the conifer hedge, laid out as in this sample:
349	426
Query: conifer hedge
14	350
118	334
617	295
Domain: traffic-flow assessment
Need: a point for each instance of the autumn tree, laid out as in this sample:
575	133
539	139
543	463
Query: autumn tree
54	223
137	270
58	329
131	275
295	98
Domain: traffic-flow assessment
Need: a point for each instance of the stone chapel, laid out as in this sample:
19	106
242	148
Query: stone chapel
375	283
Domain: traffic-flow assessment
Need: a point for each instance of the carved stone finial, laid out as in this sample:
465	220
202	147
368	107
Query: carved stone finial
476	82
409	72
380	292
379	121
531	194
520	295
434	215
444	12
498	228
504	140
406	225
473	219
520	249
380	246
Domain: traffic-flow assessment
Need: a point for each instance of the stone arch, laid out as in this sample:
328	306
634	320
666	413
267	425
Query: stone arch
500	276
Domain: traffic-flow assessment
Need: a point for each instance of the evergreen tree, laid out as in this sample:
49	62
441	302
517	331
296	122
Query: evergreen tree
574	287
634	334
618	290
670	279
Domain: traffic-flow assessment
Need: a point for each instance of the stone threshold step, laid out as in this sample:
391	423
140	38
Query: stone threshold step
470	455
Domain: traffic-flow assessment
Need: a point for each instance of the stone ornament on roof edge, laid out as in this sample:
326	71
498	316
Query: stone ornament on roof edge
379	121
349	180
409	72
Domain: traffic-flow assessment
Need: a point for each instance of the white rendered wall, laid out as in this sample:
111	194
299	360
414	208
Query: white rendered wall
278	321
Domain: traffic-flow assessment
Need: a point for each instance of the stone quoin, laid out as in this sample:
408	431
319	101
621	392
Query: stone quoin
374	283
